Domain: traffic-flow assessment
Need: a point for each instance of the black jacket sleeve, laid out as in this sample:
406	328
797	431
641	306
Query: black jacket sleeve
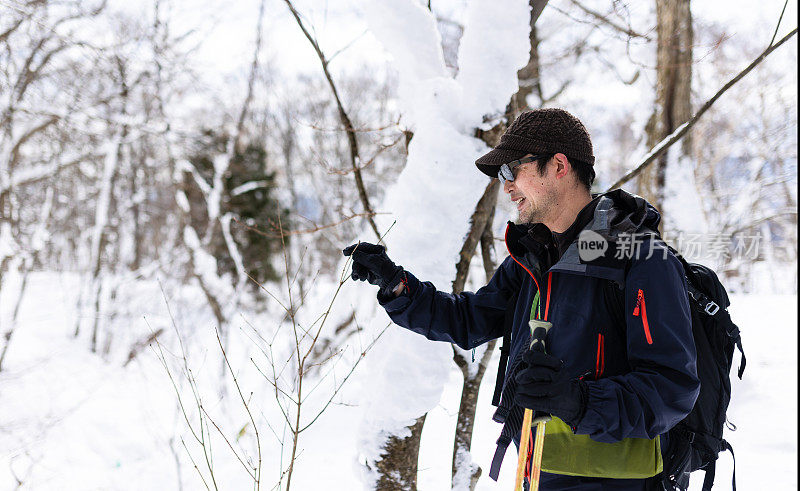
467	319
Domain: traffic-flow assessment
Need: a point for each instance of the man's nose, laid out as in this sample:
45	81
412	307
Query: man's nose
507	186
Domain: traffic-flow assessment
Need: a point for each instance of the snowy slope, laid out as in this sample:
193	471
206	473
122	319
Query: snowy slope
69	420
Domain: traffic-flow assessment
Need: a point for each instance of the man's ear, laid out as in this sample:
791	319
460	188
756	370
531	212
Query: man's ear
562	165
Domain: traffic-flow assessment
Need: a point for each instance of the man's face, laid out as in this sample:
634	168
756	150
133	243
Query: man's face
534	194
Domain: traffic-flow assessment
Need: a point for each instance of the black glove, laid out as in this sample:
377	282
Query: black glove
543	386
370	263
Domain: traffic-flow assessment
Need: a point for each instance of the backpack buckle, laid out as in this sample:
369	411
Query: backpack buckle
711	308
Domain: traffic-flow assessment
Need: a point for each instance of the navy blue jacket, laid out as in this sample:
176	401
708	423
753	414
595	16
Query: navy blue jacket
642	376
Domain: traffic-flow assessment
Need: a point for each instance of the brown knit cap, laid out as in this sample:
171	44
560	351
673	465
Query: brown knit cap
540	131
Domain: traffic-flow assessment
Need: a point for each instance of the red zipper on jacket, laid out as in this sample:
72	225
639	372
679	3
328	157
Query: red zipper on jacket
640	305
601	357
549	277
547	302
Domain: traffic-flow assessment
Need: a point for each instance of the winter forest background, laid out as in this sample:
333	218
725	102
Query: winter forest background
178	178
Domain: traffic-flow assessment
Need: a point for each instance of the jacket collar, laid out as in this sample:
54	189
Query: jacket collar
614	213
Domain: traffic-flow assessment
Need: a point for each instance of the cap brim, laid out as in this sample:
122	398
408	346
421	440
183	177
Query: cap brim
490	163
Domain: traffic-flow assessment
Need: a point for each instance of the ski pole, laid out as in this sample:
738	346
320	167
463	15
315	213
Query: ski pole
539	330
536	464
523	449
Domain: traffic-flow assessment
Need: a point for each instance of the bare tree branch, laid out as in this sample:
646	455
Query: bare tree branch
478	220
257	468
345	119
316	227
27	136
250	81
605	20
676	135
761	220
13	27
780	18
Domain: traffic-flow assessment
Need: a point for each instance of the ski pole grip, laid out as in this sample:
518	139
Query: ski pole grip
539	330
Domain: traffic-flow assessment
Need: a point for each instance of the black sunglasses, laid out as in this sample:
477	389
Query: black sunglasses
506	172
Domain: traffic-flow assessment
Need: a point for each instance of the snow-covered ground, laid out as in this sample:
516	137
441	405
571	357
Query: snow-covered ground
72	420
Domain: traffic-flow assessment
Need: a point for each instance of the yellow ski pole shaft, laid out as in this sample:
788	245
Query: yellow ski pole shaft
523	449
539	330
536	463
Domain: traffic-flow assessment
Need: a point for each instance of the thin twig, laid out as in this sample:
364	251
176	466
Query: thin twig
759	221
267	292
235	453
604	19
382	148
206	446
316	228
775	34
274	383
160	356
257	476
341	384
345	119
346	46
266	420
194	464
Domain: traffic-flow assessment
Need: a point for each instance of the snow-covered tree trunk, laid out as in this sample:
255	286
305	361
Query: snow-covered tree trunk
219	291
443	113
115	153
110	165
201	265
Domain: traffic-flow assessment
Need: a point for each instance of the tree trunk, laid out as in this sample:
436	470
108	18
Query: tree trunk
136	212
100	234
397	465
529	75
105	201
673	91
288	145
463	468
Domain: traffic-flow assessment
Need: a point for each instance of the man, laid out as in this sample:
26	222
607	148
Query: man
620	368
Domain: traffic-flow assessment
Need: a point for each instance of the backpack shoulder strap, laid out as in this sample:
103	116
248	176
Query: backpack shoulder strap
711	469
505	348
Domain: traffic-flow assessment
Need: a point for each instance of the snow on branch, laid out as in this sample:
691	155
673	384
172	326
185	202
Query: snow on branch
408	32
490	54
345	120
249	186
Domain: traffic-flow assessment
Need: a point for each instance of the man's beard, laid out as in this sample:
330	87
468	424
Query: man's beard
537	212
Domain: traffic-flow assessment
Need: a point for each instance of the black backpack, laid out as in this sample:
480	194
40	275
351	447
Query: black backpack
696	441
